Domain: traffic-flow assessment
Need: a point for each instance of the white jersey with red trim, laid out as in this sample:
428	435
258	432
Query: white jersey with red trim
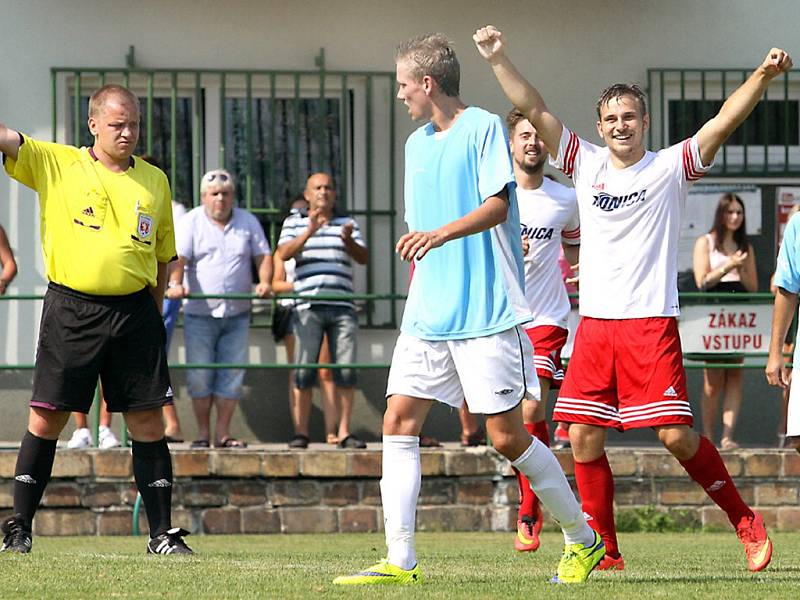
548	215
630	221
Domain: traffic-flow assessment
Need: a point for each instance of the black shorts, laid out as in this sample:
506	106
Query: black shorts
121	339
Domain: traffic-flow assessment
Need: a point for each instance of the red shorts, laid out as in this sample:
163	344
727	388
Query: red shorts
625	373
548	340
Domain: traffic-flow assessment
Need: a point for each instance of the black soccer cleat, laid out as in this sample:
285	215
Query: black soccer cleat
169	542
16	537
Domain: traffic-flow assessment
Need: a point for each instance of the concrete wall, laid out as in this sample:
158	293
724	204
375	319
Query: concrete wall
258	492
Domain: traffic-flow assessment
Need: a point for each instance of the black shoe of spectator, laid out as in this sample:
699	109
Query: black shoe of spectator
298	442
16	537
352	441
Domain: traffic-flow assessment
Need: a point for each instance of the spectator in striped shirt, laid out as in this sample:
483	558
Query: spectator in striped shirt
324	245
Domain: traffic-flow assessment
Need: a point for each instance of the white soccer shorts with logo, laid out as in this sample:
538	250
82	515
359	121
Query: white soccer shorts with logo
493	373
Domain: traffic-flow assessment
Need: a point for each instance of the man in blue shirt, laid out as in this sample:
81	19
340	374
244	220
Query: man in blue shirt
787	284
461	336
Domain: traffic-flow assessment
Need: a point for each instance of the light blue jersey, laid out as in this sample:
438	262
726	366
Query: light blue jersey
787	273
473	286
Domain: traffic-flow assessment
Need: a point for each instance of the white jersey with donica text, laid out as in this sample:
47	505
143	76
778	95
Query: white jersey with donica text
630	221
548	215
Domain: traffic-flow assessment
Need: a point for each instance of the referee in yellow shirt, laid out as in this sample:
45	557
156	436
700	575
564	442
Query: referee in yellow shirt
107	236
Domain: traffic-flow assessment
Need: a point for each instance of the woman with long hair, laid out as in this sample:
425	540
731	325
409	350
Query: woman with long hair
724	262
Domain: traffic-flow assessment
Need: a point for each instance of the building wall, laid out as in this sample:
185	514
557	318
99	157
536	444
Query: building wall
570	49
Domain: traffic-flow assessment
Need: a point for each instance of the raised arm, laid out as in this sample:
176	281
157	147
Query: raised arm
491	212
9	142
740	104
491	45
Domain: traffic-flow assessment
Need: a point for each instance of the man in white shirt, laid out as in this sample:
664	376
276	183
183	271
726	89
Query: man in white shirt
548	214
627	370
217	245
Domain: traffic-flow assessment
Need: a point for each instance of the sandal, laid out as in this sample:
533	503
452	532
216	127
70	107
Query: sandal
298	442
728	444
173	440
200	444
352	441
427	441
478	438
229	442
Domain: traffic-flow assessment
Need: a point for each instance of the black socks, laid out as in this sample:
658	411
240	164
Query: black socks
34	465
152	469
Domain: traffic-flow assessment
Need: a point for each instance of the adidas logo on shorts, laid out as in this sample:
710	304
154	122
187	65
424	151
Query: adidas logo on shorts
670	392
25	479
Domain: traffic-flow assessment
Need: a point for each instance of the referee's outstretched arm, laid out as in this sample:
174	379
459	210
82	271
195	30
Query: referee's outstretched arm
9	142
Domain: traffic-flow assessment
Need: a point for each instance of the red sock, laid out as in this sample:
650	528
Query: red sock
541	431
596	487
528	502
708	470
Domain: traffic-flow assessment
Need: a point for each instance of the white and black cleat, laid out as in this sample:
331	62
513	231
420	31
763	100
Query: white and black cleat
169	542
16	537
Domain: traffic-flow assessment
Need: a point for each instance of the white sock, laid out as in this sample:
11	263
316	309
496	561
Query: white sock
550	484
399	492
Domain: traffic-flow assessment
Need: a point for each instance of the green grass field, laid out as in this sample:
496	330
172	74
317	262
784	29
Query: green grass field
456	565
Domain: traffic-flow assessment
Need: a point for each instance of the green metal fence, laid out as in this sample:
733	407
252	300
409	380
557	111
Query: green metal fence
767	144
271	128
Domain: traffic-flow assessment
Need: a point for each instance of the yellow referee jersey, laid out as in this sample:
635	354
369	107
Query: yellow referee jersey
102	232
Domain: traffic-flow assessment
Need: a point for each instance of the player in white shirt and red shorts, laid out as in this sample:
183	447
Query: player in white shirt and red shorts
549	220
627	368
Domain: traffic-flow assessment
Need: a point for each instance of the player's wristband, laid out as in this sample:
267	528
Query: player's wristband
172	284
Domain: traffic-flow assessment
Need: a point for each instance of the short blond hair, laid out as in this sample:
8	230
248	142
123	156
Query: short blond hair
99	98
431	54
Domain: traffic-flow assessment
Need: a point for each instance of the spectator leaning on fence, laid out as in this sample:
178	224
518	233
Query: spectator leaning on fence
283	318
324	245
217	243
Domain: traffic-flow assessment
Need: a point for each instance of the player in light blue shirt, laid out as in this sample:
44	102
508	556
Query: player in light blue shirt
460	336
471	286
787	284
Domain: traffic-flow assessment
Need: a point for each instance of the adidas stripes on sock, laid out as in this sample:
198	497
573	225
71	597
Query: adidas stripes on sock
152	470
32	473
708	470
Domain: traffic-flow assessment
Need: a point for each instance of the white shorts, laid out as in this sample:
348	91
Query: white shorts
494	373
793	413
